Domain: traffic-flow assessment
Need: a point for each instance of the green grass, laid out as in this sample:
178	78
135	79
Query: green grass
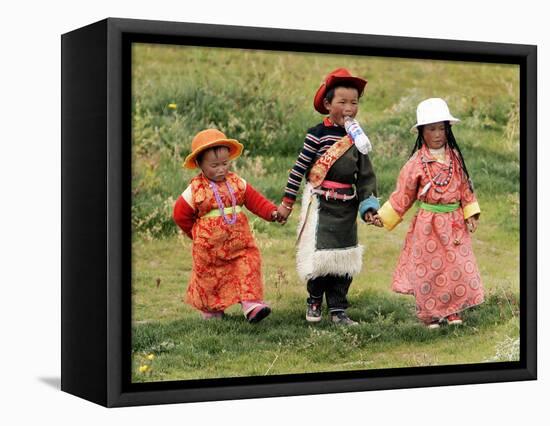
389	335
264	99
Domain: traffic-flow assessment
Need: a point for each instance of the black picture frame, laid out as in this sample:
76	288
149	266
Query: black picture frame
96	226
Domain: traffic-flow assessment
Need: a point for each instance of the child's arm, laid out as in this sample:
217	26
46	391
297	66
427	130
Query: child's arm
259	205
404	196
184	213
469	205
367	192
296	175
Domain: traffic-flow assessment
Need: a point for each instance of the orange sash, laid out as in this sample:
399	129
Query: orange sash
325	161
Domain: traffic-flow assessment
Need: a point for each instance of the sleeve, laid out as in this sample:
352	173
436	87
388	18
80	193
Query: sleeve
258	204
184	214
404	196
367	191
303	162
468	200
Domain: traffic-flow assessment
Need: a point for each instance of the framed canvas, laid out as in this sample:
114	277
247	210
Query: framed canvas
135	94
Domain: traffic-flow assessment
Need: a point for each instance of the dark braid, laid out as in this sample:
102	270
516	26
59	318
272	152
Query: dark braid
452	144
419	141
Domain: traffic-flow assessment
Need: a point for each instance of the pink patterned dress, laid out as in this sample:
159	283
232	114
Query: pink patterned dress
437	264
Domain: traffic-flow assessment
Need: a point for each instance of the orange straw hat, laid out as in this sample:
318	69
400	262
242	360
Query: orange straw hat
210	138
340	75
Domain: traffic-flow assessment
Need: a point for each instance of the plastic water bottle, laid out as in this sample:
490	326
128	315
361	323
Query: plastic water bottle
356	133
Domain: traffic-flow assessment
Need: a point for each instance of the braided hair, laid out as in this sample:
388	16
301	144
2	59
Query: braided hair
452	144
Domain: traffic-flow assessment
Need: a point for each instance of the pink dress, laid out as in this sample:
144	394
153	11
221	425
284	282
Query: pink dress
437	264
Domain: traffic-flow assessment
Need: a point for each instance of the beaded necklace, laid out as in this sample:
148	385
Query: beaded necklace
440	184
219	201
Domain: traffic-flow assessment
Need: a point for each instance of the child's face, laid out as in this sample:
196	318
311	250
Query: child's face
215	164
434	135
344	103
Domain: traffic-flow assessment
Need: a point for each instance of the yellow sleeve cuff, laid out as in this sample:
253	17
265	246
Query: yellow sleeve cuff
471	210
389	216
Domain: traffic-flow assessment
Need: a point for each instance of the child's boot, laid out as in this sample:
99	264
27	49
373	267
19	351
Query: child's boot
314	305
341	318
255	311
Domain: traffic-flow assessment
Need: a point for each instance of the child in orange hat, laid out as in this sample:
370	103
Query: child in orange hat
226	261
340	183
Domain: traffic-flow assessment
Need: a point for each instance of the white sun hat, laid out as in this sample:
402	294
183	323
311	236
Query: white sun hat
432	110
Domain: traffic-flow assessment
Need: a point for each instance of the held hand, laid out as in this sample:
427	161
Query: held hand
274	216
282	214
372	218
471	223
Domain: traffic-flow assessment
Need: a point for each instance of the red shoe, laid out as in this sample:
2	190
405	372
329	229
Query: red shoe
454	319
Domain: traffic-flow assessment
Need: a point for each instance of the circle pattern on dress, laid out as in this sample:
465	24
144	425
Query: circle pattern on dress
469	267
460	290
430	304
464	251
474	283
455	274
431	245
445	298
420	270
427	229
450	256
439	222
444	238
437	263
425	288
441	280
417	251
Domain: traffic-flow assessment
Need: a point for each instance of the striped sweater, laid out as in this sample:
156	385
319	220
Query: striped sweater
317	141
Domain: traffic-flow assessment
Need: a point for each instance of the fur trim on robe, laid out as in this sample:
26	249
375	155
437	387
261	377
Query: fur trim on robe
313	263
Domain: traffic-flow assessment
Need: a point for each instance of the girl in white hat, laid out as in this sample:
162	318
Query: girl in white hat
437	264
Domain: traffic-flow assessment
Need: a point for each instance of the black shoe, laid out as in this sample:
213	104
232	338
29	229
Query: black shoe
313	313
341	318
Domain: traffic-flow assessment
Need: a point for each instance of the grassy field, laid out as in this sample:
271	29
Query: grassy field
264	100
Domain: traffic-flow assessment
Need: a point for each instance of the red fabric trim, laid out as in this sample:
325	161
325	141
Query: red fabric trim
289	201
258	204
184	216
328	122
330	184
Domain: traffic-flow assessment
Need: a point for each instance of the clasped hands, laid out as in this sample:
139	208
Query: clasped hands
373	218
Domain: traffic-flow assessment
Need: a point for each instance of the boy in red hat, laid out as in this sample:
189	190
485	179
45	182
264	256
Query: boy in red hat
340	183
226	262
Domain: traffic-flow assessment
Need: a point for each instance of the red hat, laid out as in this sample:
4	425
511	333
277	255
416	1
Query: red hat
340	75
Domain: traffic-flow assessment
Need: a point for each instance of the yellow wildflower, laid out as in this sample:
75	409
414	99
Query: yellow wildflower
151	357
172	106
143	368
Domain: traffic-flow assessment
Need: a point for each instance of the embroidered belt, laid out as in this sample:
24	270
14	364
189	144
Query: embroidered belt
330	184
439	208
332	194
216	212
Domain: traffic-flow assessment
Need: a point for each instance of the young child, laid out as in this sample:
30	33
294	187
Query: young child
437	264
226	261
340	183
